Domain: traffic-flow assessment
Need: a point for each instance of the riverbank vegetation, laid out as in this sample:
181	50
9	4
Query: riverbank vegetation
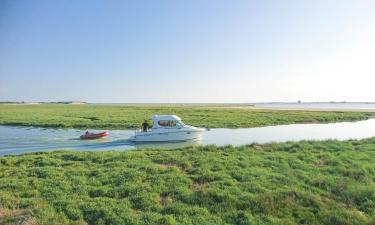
324	182
131	116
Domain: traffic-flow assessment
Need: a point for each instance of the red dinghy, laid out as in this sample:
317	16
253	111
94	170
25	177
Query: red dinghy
94	136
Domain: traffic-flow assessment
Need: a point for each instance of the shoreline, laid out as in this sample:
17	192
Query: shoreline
310	109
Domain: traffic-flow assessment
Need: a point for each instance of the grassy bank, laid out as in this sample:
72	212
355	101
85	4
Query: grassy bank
328	182
126	117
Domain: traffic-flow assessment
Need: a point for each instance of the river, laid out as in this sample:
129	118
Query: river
17	140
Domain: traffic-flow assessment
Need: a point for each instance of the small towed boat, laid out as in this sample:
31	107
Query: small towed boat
168	128
94	135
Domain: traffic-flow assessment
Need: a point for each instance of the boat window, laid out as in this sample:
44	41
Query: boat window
163	123
168	123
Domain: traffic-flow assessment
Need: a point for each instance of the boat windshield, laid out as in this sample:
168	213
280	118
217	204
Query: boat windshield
170	123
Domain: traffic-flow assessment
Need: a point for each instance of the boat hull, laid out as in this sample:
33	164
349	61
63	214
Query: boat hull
94	136
183	135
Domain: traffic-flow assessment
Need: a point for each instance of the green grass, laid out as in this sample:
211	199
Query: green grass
126	117
325	182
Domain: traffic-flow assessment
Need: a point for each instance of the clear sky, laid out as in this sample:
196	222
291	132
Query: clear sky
187	51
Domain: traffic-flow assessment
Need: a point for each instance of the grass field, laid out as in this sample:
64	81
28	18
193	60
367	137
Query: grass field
326	182
126	117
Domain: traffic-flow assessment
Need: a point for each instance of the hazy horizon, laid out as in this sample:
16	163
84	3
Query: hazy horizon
187	52
235	103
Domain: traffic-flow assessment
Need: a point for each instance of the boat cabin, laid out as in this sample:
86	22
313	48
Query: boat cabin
166	121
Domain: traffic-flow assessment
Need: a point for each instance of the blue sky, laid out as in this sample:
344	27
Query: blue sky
187	51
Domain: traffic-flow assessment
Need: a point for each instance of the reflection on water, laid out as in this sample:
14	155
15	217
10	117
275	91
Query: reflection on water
169	145
16	140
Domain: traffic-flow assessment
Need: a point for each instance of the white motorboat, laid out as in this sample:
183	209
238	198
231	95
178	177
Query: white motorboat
167	128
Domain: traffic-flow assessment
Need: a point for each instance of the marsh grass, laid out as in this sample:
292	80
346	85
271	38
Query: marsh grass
324	182
131	116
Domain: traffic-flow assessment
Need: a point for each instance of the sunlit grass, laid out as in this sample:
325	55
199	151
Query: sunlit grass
127	117
325	182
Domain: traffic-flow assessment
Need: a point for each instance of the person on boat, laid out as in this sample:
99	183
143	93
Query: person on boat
145	126
87	132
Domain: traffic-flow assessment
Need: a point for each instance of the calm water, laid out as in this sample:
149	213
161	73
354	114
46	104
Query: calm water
320	105
16	140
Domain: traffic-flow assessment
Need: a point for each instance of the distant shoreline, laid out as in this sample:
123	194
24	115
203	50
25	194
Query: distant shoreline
318	109
320	106
38	103
298	106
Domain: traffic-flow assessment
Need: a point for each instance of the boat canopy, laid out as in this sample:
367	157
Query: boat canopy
161	121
